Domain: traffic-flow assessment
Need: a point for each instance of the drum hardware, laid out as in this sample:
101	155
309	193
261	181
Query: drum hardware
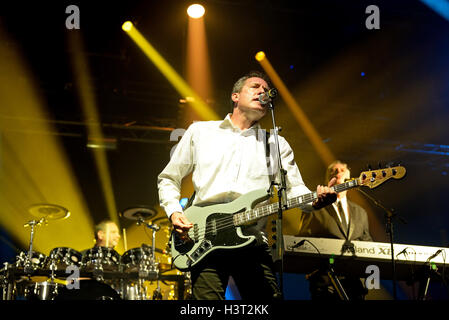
98	274
46	290
35	276
28	268
138	213
7	283
143	259
44	212
157	294
99	261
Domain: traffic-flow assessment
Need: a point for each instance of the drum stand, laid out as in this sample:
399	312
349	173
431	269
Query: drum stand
28	268
97	272
8	284
337	284
53	268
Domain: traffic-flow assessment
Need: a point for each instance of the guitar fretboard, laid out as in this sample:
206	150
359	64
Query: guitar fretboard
252	215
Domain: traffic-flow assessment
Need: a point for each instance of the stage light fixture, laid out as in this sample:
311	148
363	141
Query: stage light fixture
260	56
195	11
127	26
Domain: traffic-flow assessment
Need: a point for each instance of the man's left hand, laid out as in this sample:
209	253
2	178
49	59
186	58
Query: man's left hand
326	195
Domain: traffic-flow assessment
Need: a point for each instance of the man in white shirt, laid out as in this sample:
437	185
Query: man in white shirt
228	159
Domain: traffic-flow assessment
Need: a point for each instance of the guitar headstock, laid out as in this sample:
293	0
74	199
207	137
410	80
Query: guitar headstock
374	178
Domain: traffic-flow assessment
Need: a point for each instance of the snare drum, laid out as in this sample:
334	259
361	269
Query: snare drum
101	258
63	257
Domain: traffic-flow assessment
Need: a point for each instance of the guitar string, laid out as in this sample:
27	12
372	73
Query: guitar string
228	221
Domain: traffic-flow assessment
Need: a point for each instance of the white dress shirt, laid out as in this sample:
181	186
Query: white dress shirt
226	162
344	204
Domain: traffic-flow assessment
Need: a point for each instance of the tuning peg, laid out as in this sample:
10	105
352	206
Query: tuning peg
369	167
380	165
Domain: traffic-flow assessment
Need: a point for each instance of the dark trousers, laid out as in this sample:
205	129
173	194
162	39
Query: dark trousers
251	267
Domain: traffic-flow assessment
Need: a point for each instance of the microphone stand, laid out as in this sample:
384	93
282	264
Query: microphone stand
282	197
389	215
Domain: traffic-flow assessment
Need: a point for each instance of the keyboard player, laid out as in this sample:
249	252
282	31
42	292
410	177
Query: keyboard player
343	220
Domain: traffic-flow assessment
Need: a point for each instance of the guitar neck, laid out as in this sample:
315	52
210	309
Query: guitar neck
253	215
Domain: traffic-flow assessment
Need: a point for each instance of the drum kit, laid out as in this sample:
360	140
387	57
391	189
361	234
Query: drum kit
99	273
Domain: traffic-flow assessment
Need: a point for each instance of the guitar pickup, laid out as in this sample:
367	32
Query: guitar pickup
213	227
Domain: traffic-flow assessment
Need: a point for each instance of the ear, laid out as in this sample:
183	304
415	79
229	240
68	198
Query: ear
100	235
235	97
348	174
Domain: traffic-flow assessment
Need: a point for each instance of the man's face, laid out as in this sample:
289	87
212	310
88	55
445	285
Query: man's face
248	98
110	236
341	172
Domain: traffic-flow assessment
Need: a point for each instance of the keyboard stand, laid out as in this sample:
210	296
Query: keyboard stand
337	284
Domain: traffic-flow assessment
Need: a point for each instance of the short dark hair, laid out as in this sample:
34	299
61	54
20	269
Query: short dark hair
101	227
238	85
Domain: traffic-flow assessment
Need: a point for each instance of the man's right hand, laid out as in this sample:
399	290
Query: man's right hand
180	223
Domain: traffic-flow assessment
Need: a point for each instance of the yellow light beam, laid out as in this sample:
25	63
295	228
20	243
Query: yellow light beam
91	117
323	151
34	167
201	108
197	66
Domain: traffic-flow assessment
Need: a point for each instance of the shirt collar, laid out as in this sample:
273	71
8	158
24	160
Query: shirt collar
344	202
227	123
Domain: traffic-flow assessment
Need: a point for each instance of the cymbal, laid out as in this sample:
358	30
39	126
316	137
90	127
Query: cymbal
48	211
162	221
139	212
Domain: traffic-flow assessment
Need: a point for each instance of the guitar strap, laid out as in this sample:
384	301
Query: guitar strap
189	203
268	159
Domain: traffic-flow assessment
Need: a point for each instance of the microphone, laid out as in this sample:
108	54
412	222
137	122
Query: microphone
266	97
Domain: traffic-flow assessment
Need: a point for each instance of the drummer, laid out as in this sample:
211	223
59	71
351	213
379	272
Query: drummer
107	234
